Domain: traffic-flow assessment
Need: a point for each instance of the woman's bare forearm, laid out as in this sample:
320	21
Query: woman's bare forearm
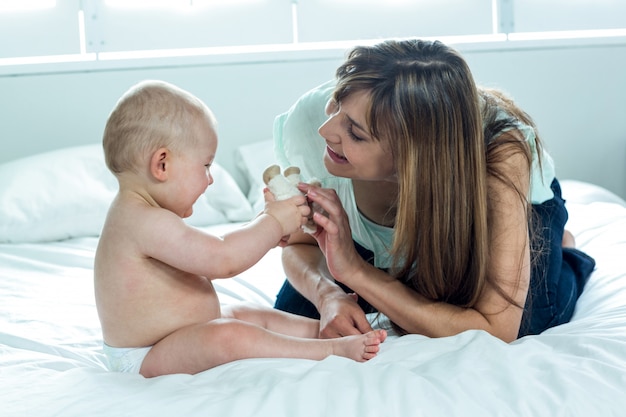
417	314
305	267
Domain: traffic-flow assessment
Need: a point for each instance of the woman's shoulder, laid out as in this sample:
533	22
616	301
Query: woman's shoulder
296	138
308	109
500	115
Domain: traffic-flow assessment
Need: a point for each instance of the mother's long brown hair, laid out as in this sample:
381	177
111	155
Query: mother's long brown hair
425	104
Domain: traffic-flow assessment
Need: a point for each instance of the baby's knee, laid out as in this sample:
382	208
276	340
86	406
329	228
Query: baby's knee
245	311
227	340
227	332
222	329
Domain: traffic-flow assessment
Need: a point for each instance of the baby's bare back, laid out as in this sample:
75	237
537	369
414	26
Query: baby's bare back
141	300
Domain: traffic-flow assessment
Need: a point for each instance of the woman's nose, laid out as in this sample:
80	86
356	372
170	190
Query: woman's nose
326	130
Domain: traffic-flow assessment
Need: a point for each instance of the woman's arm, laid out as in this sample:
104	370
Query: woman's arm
509	266
306	269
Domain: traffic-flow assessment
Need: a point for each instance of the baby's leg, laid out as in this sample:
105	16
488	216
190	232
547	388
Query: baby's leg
200	347
275	320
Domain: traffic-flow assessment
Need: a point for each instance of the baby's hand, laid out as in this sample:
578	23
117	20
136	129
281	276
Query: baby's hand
291	213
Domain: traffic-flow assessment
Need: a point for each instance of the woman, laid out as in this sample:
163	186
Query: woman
440	208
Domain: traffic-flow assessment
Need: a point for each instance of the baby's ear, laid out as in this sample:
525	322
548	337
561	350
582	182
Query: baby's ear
159	164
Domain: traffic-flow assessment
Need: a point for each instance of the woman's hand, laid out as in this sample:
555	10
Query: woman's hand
334	235
340	315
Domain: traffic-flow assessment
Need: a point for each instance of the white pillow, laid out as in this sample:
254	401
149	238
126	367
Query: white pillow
67	192
252	159
583	192
222	202
55	195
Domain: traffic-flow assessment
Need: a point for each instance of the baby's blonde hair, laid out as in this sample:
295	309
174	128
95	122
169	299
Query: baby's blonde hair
150	115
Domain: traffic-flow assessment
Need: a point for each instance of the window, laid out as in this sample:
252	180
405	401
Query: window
113	26
331	20
568	15
56	33
40	31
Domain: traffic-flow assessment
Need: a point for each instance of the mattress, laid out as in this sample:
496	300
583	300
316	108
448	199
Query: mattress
52	364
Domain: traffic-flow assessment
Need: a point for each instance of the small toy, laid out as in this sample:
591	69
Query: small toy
286	186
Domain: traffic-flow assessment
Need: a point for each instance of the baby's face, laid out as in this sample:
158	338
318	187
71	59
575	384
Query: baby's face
206	138
194	175
210	141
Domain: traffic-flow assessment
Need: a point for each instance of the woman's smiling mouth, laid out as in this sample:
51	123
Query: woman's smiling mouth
335	157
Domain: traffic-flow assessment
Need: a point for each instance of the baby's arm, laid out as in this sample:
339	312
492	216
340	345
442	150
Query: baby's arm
166	237
291	213
245	246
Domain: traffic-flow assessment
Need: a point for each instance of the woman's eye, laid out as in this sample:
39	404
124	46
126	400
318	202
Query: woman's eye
353	136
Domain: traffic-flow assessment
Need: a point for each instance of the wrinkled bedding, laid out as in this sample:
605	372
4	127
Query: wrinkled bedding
51	360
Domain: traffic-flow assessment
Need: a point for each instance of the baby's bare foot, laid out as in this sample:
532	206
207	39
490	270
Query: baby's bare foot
361	347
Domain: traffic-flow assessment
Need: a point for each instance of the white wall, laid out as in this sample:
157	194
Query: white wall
577	96
574	92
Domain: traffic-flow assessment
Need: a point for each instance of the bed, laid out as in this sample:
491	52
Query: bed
52	207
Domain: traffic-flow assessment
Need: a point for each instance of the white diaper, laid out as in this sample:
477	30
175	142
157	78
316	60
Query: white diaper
125	359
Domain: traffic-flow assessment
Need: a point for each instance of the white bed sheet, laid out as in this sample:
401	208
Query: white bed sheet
51	362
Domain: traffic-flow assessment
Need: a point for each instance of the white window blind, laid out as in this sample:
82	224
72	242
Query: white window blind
32	31
568	15
329	20
100	30
114	27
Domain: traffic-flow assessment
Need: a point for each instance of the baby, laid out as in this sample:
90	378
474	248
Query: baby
157	306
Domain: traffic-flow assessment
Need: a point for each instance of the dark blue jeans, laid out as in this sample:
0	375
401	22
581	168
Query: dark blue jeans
558	274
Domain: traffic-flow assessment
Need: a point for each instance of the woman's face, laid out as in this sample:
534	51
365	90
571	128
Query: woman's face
351	152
